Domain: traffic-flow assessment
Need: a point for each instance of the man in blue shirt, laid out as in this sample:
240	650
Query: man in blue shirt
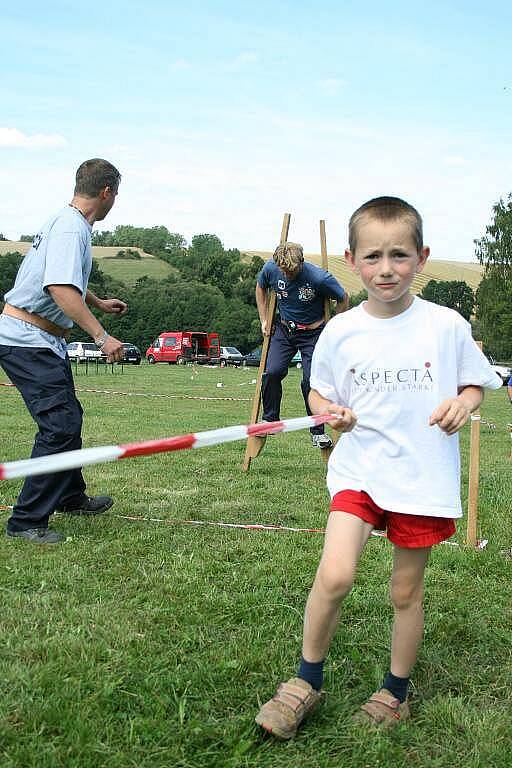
301	289
49	294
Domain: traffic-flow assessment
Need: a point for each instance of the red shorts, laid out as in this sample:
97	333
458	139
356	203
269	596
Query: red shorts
408	531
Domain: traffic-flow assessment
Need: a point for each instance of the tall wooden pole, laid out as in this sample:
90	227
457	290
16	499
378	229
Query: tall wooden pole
326	452
474	471
255	444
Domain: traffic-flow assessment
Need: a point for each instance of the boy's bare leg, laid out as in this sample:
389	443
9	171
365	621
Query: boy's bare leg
345	538
407	598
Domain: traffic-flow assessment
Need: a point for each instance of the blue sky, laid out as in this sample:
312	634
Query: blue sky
222	116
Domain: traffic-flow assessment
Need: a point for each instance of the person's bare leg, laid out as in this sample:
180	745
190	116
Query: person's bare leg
407	598
345	538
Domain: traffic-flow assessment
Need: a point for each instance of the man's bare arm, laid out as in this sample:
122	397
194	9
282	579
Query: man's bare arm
261	303
70	301
342	306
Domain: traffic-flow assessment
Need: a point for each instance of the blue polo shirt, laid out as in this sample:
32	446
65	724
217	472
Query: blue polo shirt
60	255
301	299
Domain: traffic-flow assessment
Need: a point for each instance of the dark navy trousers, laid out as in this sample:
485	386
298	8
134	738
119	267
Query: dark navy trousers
45	382
283	347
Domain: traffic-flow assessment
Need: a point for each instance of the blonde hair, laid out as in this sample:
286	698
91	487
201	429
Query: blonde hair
386	209
289	256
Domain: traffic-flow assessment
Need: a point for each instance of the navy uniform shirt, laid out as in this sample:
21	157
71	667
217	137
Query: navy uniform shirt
301	299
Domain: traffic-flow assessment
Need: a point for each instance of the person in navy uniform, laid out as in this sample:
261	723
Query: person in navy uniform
50	293
301	289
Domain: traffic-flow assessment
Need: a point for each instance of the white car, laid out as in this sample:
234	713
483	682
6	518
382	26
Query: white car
83	350
230	356
503	371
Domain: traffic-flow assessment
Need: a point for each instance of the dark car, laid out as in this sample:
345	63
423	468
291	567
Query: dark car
131	354
254	357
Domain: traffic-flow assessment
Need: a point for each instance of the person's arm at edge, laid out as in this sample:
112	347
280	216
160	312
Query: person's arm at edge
342	305
70	301
509	389
320	405
332	289
261	303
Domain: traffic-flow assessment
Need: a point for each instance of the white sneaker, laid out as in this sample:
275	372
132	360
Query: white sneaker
321	441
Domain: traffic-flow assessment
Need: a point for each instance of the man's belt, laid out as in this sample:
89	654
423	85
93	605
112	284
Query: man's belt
292	326
41	322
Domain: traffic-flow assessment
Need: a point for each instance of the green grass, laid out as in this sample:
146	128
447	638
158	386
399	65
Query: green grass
129	271
152	645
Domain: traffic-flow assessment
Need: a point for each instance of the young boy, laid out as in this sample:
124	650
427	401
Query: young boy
403	376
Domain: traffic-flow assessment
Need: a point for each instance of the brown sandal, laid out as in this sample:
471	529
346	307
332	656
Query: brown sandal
383	709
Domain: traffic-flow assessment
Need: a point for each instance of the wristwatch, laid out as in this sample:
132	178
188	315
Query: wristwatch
100	340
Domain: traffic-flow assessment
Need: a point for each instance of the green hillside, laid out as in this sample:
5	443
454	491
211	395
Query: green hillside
127	271
130	270
436	269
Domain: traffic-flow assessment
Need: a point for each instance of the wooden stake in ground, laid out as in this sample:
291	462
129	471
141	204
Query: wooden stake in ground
474	471
326	452
255	444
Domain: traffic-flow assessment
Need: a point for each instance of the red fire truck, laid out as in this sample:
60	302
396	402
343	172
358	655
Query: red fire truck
183	347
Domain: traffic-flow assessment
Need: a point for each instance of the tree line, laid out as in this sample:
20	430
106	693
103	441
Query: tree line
212	288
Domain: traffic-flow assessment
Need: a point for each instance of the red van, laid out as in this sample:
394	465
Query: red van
183	347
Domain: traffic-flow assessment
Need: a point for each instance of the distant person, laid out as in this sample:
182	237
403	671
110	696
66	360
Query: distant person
403	376
509	389
49	294
301	289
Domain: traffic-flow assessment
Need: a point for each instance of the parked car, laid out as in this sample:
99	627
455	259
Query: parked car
84	350
503	370
131	354
253	358
184	346
230	356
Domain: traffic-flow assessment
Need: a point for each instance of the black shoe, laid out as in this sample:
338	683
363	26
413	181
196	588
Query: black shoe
90	505
321	441
39	535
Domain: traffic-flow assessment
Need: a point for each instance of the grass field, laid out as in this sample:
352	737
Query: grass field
130	270
151	645
126	270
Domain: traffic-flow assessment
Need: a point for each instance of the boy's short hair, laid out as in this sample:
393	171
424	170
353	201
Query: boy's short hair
289	256
94	175
386	209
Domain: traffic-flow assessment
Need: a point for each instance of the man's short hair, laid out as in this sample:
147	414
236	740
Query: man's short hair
386	209
289	256
94	175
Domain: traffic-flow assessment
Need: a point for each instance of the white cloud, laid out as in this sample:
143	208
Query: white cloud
12	137
331	85
242	60
455	160
246	57
180	65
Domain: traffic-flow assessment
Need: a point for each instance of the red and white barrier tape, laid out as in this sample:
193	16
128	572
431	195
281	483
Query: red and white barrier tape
243	526
150	394
248	526
58	462
263	527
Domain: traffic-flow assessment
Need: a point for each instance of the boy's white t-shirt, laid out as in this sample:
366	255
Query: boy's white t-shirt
393	373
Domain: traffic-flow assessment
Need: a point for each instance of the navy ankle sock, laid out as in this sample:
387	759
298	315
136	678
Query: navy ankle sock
312	672
397	686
